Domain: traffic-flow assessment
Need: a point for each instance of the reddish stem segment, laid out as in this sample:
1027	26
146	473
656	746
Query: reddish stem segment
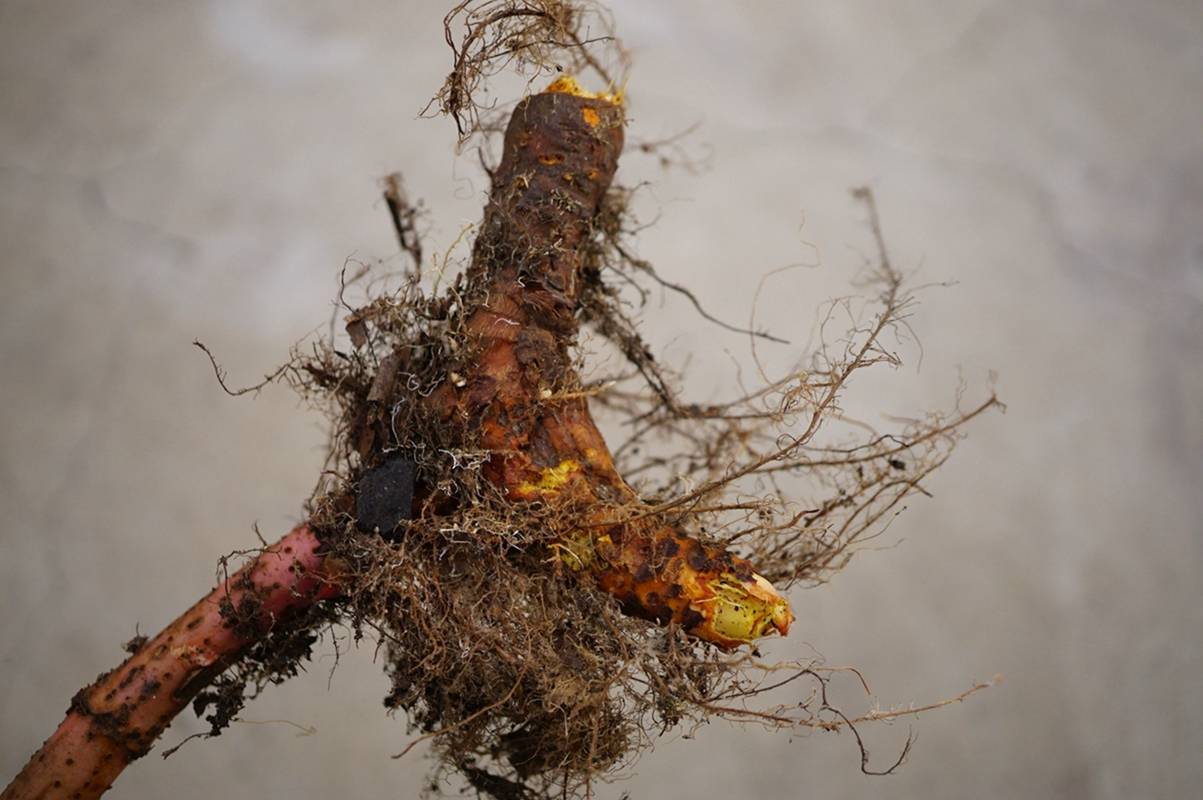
117	718
561	152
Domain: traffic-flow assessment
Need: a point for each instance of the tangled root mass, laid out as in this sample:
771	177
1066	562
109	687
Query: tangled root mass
528	679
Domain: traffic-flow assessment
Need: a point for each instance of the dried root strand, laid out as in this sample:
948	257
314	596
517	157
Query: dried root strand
534	38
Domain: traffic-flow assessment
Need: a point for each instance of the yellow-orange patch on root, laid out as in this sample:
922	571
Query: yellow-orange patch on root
550	479
566	84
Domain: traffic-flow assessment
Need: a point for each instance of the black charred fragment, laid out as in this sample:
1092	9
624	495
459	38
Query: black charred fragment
385	498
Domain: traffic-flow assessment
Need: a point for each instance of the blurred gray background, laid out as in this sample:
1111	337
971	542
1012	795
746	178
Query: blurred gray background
181	170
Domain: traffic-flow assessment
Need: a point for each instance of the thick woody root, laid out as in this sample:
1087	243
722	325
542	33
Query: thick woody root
561	151
116	719
511	603
500	603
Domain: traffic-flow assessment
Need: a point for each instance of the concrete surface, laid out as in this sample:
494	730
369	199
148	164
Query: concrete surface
181	170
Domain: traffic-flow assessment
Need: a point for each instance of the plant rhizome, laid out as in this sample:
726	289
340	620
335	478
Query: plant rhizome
547	602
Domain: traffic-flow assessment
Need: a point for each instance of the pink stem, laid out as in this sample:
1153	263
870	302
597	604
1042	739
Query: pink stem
117	718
